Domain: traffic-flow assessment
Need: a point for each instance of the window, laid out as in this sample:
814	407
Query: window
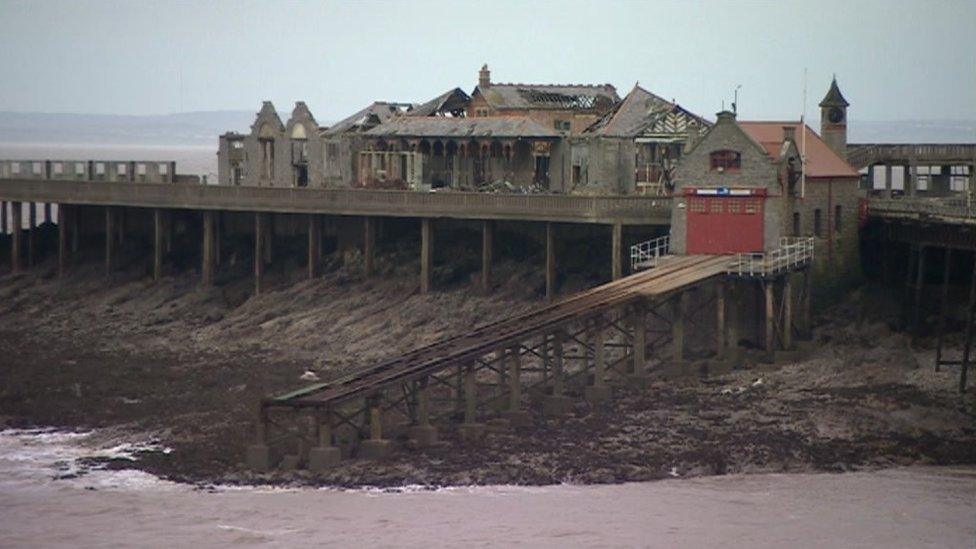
58	168
481	112
837	215
100	168
267	158
817	222
577	173
725	160
79	168
140	169
121	169
36	168
15	168
164	169
796	223
958	177
237	144
563	125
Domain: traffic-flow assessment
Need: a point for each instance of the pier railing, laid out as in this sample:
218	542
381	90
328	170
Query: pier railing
646	254
958	209
793	253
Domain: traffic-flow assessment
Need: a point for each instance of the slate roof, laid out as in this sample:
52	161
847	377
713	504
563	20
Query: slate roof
639	110
448	101
834	98
499	126
549	96
374	114
822	161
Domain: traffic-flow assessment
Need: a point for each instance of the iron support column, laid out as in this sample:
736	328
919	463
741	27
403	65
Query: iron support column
639	324
787	313
487	249
617	252
157	244
919	285
943	308
62	242
109	238
258	251
31	225
770	318
314	244
964	367
550	261
426	254
207	267
369	245
720	318
16	233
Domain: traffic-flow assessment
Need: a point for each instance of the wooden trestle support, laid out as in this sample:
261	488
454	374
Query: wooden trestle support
580	348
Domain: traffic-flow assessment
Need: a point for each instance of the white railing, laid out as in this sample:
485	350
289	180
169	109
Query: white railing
647	254
792	253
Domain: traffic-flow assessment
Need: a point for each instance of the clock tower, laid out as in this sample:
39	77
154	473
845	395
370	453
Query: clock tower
833	120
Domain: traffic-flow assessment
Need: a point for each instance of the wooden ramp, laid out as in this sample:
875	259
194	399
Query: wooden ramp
672	274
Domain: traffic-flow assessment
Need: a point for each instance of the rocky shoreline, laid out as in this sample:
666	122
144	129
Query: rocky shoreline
186	366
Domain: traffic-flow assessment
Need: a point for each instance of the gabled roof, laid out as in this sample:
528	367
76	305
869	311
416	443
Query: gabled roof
549	96
639	111
436	126
834	98
822	161
447	102
371	116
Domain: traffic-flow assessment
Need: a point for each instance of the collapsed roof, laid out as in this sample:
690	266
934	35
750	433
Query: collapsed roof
501	127
549	96
642	112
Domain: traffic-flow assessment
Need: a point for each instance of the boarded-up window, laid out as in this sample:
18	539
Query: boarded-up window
837	216
817	222
796	223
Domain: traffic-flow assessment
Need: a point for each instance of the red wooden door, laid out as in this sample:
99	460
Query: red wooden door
724	224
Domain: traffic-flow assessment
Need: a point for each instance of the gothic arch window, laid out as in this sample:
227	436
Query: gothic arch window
725	160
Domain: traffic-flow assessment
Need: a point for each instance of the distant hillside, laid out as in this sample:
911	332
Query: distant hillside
191	128
202	128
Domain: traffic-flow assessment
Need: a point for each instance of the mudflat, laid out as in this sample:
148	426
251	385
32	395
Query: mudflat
188	365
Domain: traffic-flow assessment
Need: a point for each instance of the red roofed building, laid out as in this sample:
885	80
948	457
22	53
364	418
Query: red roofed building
742	187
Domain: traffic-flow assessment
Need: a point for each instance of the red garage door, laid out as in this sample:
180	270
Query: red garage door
724	224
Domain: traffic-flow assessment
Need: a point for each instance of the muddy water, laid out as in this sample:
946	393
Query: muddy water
49	498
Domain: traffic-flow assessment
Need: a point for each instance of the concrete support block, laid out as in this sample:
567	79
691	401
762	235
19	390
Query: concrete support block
258	457
422	436
472	432
375	449
323	458
498	425
557	405
518	418
290	462
598	393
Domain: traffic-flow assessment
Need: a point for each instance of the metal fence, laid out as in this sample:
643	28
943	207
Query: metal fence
793	253
646	254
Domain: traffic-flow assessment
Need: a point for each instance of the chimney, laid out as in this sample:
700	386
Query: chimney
725	116
484	77
789	133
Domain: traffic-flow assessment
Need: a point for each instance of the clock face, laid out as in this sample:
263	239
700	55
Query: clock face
835	115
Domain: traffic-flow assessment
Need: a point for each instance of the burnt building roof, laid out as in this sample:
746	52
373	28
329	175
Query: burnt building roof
549	96
452	102
369	117
502	127
641	111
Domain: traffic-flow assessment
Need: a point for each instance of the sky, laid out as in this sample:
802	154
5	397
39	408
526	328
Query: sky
894	59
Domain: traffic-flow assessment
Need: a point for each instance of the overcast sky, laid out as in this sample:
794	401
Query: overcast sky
893	59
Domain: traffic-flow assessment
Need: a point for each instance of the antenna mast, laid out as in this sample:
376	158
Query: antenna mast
803	139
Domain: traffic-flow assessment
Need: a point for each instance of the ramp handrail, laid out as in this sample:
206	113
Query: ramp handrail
793	252
647	253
